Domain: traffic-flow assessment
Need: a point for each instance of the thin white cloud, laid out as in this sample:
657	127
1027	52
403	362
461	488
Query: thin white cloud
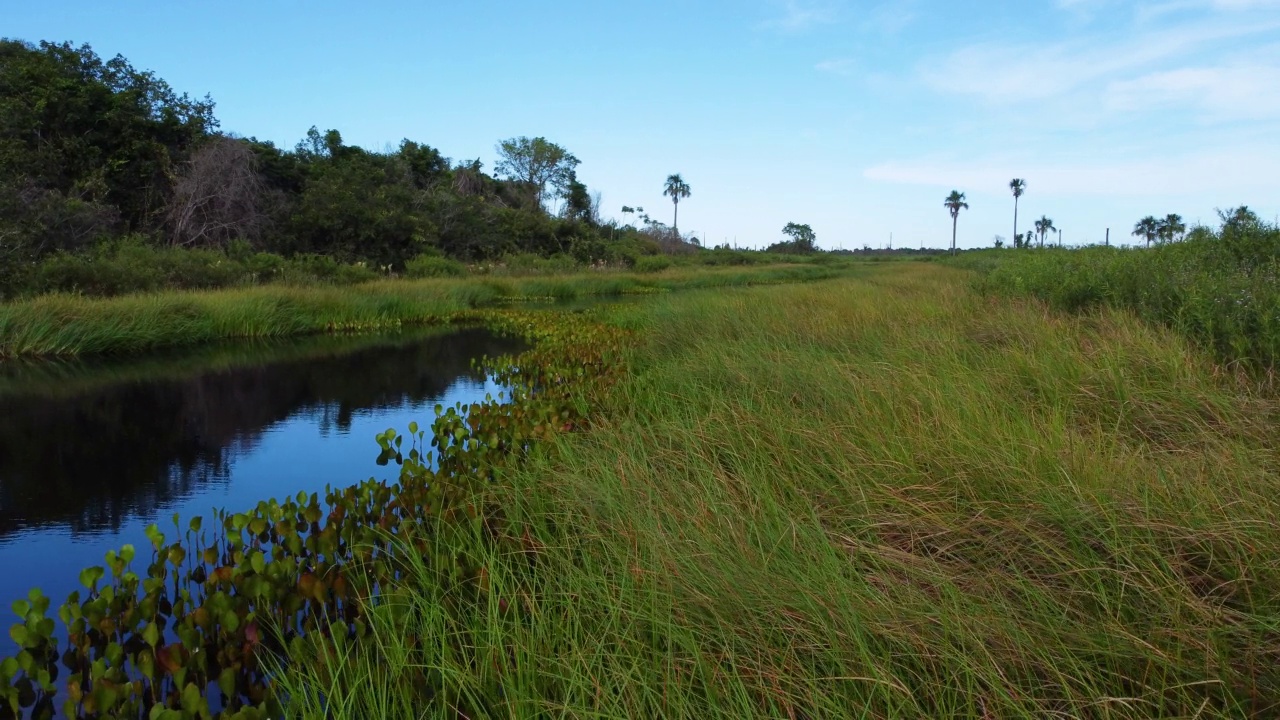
890	18
837	66
1232	92
1240	171
1148	12
1012	74
799	15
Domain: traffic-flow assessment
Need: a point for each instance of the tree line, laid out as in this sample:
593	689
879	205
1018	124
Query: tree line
93	150
1170	228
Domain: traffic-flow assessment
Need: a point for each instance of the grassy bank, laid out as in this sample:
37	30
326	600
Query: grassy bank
1219	287
876	497
63	325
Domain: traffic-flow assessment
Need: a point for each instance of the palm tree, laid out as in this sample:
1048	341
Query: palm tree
955	203
1171	228
1018	186
1044	226
1148	227
677	188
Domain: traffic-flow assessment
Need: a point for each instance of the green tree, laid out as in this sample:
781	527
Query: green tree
357	205
83	138
1044	226
802	237
577	202
1018	186
955	203
676	188
1171	228
536	163
1148	227
1239	218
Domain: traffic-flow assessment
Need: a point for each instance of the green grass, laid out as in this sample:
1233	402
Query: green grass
1220	288
885	496
64	325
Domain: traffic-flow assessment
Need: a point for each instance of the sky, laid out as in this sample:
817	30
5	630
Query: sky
856	118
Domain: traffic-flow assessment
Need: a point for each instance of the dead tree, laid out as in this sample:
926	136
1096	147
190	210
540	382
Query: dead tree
217	197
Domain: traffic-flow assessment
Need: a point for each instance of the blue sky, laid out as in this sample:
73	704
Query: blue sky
854	117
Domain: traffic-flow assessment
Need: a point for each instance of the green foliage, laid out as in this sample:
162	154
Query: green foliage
96	150
130	265
676	189
53	325
1221	288
536	163
652	264
91	132
425	266
885	497
215	603
802	237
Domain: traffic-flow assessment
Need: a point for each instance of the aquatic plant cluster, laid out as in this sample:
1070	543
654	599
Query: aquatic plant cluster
200	629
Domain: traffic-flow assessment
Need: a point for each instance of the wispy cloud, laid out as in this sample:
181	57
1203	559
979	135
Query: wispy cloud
1242	171
1152	11
1245	91
1011	74
837	66
890	18
799	15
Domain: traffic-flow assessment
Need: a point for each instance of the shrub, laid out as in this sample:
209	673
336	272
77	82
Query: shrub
1220	288
652	263
425	266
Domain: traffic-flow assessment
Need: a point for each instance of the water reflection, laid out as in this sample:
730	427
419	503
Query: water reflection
90	453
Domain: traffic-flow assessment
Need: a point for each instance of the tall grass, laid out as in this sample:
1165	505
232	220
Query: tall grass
876	497
55	325
1221	288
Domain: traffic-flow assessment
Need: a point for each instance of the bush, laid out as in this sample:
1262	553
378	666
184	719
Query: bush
530	264
1221	288
652	264
427	266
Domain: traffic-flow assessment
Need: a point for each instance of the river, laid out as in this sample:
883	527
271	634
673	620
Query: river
91	452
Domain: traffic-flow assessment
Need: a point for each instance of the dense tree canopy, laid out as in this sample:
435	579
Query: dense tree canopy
94	150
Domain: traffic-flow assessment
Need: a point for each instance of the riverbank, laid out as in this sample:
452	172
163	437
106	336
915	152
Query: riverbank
68	325
885	496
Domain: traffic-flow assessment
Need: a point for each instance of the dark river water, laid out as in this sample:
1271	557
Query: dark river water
93	452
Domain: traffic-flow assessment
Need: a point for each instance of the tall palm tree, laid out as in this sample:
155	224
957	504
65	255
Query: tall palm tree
1171	228
677	188
1044	226
1018	186
955	203
1148	227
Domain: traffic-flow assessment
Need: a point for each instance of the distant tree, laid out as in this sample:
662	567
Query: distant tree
1239	218
997	242
802	236
577	201
955	203
1170	228
676	188
1148	227
536	163
427	167
1018	186
1044	226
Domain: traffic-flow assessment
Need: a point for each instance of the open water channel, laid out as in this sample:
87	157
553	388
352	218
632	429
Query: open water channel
91	452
